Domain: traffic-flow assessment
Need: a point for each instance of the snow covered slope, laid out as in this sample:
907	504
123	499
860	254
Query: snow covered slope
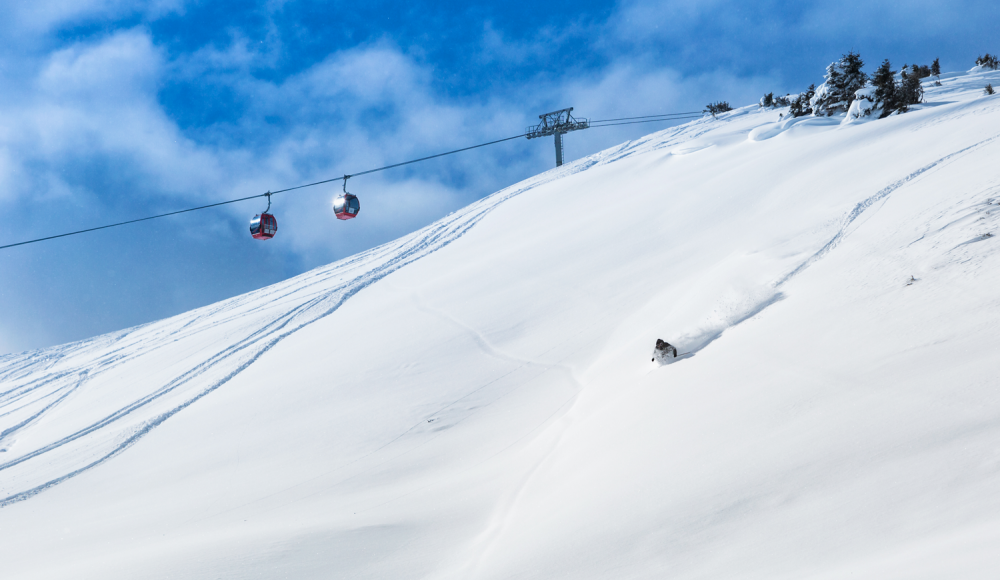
477	400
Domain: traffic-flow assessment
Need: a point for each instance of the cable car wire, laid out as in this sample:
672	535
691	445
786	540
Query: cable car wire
647	121
602	123
268	194
699	113
349	175
152	217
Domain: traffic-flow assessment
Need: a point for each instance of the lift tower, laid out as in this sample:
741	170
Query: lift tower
556	123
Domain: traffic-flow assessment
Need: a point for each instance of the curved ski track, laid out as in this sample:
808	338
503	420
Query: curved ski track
868	202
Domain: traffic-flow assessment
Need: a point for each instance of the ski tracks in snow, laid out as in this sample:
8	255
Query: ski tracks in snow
858	210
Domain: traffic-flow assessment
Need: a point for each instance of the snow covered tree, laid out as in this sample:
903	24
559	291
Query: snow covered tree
988	61
828	99
799	105
843	78
884	81
716	108
770	101
864	105
853	77
886	94
936	71
989	89
920	71
910	91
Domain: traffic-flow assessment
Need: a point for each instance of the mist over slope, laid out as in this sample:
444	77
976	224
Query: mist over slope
477	400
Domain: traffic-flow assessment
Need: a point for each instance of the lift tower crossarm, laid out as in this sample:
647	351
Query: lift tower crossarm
556	123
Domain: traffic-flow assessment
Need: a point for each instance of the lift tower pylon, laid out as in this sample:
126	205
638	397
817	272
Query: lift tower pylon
557	123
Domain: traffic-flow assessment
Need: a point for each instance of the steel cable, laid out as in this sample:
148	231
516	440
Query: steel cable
153	217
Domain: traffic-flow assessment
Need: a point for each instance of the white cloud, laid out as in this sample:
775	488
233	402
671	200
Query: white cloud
243	55
893	21
711	26
637	20
99	100
43	16
110	74
498	49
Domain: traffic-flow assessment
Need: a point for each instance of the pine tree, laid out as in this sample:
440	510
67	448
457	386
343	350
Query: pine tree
989	89
843	78
884	81
795	108
910	92
854	78
936	67
988	61
799	106
716	108
892	95
767	101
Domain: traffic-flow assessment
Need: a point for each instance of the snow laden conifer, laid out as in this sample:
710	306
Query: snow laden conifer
988	61
989	90
771	101
799	106
910	91
884	83
879	98
716	108
843	78
921	71
886	93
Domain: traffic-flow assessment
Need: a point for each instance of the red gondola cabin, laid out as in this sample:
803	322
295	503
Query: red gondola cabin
346	206
263	226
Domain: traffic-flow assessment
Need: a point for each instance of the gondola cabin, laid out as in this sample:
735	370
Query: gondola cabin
346	206
263	226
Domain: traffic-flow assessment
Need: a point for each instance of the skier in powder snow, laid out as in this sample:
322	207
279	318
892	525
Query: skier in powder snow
664	348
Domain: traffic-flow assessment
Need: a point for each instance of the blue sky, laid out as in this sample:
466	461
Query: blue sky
111	110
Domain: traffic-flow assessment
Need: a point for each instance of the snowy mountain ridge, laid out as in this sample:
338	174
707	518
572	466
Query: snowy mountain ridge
476	399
